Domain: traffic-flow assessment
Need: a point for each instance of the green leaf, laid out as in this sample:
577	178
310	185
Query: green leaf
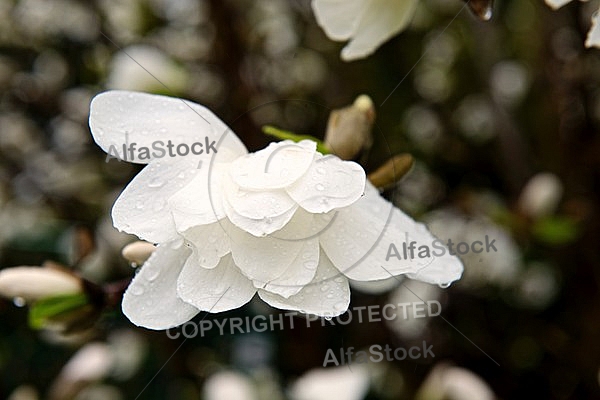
287	135
54	306
556	230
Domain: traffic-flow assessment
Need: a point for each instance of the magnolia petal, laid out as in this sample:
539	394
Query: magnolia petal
214	290
34	283
327	295
381	20
200	201
120	118
359	240
262	259
339	18
593	37
210	243
259	205
142	207
556	4
274	167
329	183
151	299
299	273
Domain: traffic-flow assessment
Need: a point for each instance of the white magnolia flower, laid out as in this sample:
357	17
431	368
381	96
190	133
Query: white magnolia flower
593	37
285	222
367	24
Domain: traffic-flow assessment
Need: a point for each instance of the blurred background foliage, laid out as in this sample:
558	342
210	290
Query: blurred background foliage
486	108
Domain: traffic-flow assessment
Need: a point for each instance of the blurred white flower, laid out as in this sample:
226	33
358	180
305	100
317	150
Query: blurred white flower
229	385
541	195
340	383
446	382
500	268
367	24
34	283
412	327
127	74
285	222
593	37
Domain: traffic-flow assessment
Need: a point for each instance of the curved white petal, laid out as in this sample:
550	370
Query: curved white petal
278	165
200	202
142	207
214	290
329	183
359	240
593	37
299	273
210	242
327	295
151	299
339	18
556	4
120	118
381	20
262	259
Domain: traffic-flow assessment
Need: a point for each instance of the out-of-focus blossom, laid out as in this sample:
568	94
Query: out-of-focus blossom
34	283
285	222
229	385
367	24
490	267
593	37
412	292
453	383
340	383
541	195
142	67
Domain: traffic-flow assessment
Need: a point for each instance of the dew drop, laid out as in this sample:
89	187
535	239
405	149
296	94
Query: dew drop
330	296
321	171
320	187
444	285
310	264
19	301
181	175
156	182
324	288
133	265
339	279
152	272
136	290
139	204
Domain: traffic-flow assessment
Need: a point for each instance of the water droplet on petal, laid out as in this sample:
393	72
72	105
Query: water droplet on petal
156	182
444	285
321	171
151	272
324	288
136	290
310	264
320	187
139	204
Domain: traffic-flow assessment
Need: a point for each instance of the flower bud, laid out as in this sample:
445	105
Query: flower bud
34	283
392	171
349	128
138	252
541	195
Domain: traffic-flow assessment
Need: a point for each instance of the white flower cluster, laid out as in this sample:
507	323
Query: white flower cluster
285	222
